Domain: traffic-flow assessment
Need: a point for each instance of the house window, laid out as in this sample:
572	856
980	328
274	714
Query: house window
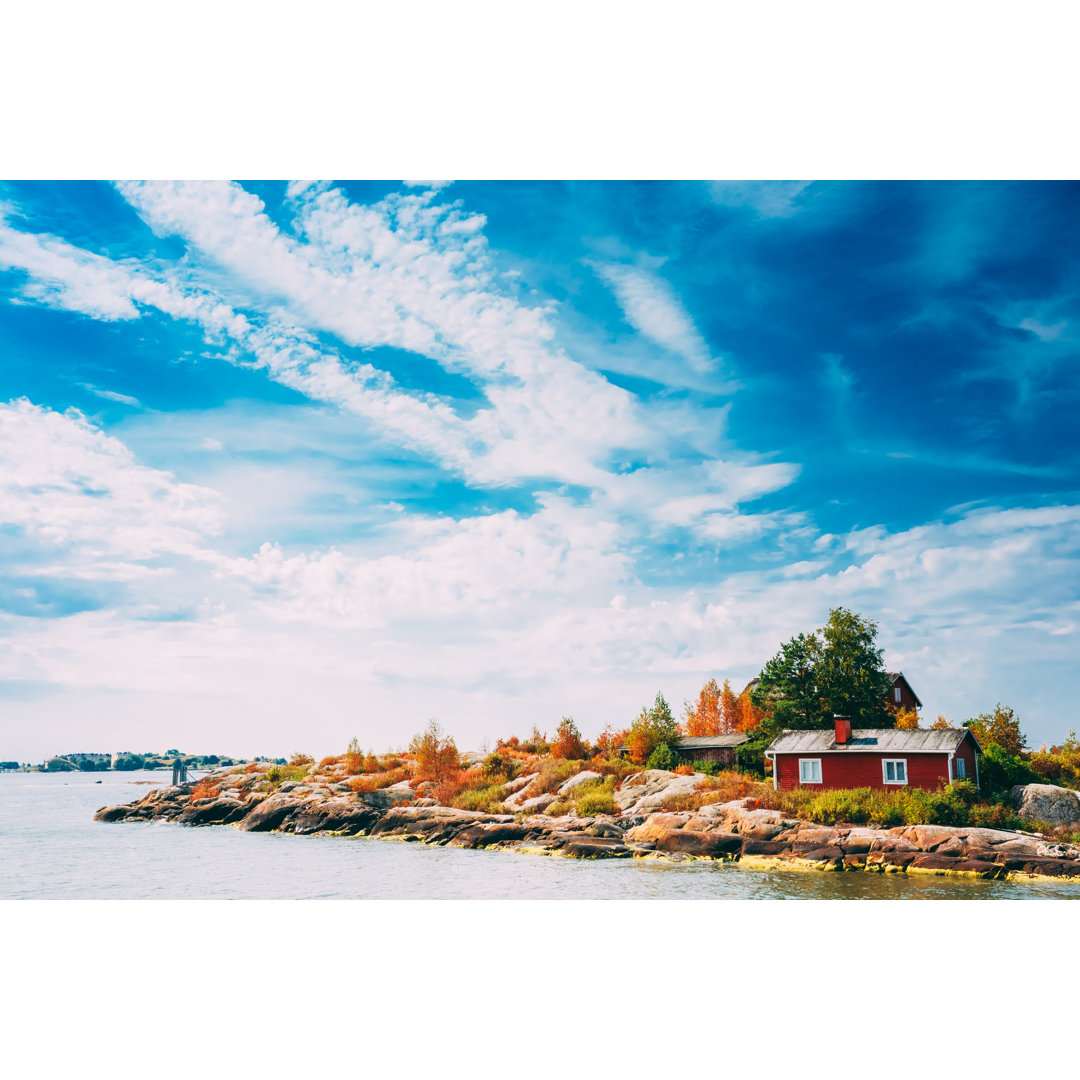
894	770
810	770
961	768
896	695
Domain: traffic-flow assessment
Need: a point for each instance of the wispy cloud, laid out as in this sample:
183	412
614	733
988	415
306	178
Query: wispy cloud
111	395
767	198
651	307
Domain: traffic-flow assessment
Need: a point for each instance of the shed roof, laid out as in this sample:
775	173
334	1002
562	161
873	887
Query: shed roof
871	741
704	742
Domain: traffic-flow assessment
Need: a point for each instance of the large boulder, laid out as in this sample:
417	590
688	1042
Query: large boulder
1046	802
646	791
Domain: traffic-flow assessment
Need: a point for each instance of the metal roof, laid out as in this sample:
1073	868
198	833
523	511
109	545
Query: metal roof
702	742
871	741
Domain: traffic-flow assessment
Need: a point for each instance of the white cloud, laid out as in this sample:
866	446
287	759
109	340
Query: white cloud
651	306
111	395
64	483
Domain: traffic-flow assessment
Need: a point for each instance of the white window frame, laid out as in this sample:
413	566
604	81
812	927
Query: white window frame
885	762
960	768
810	761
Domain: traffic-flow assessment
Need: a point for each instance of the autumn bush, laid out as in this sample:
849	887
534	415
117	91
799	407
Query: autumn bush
205	789
611	764
568	743
301	759
684	770
333	759
369	782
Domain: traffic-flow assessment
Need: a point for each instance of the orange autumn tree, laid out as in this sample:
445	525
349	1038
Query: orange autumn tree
436	753
568	742
703	716
748	715
729	709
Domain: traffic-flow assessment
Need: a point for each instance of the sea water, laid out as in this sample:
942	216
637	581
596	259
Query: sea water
51	848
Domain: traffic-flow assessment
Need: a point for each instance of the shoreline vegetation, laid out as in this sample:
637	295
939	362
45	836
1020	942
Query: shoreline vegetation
632	794
533	797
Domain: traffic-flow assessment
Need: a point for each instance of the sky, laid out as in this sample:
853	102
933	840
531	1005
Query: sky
286	463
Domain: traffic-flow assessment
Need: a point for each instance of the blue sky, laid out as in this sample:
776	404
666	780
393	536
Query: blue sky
285	463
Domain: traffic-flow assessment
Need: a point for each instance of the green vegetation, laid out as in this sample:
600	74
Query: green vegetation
663	757
837	669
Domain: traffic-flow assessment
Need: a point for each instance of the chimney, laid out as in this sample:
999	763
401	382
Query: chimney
843	730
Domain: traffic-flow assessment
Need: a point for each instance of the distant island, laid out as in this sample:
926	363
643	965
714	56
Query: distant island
127	761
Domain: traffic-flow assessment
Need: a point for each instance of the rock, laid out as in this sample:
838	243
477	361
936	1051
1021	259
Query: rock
578	780
655	826
538	804
388	796
270	814
712	845
336	815
472	757
595	847
113	813
521	793
513	786
424	802
221	811
645	791
477	836
1046	802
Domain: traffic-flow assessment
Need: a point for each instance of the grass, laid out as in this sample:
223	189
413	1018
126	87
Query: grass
485	799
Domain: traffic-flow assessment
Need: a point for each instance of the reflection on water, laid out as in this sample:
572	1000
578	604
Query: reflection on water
50	848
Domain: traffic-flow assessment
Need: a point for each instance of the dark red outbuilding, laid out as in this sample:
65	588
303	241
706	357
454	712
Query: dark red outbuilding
881	758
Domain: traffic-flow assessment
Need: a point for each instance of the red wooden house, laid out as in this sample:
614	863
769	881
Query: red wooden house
881	758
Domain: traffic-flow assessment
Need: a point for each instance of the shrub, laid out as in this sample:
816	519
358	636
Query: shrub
301	759
684	770
501	764
612	765
1000	770
377	781
485	799
332	760
205	789
595	797
662	758
709	768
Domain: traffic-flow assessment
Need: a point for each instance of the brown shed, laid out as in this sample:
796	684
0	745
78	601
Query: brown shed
720	749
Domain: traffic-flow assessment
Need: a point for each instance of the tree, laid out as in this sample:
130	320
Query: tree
907	719
837	670
652	727
435	752
748	716
941	724
703	716
787	683
729	709
1002	727
850	672
568	742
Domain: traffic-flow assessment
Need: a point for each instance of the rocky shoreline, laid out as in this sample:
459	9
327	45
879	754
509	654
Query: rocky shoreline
737	830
